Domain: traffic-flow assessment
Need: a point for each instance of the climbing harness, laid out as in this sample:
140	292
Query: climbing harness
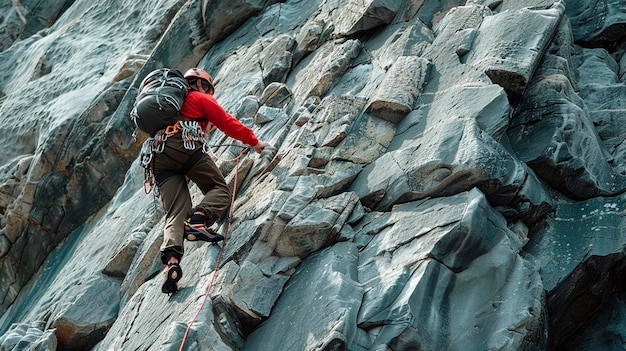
190	133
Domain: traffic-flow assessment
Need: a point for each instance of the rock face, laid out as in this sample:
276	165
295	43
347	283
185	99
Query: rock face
444	175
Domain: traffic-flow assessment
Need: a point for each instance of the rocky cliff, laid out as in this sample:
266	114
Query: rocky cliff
445	175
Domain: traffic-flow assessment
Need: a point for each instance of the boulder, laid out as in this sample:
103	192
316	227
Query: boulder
398	93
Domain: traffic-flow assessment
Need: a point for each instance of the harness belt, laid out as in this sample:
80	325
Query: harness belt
190	133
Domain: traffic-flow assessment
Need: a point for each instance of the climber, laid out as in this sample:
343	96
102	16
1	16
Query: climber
181	160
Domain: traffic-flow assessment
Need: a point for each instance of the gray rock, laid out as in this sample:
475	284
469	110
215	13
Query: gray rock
276	95
240	291
324	69
247	107
119	264
579	249
276	59
24	19
598	84
369	138
420	167
315	226
266	114
310	37
508	46
396	40
357	15
317	310
423	255
560	137
605	331
218	25
84	322
596	22
398	93
445	227
20	336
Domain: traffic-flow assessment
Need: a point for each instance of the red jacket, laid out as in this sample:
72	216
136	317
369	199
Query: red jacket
204	108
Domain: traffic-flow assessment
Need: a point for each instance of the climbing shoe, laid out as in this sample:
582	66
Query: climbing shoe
173	273
198	232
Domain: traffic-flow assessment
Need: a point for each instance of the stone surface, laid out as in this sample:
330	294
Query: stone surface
598	22
358	15
515	47
443	175
555	133
398	92
329	278
424	255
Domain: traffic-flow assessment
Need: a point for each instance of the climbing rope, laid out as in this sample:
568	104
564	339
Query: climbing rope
219	256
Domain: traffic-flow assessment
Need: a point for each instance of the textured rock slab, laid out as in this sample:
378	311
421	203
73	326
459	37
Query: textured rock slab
164	327
161	319
72	294
317	310
457	126
276	59
604	94
428	254
560	139
508	46
451	34
222	17
23	19
84	322
398	92
399	39
360	15
605	331
552	131
276	95
78	164
21	336
487	104
458	159
248	290
324	69
315	226
578	251
597	21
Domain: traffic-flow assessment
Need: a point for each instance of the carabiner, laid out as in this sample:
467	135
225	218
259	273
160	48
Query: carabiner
148	186
171	130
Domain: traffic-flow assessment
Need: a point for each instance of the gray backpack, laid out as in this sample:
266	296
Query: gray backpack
160	98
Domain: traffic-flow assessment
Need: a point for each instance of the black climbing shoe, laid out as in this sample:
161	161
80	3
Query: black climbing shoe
173	273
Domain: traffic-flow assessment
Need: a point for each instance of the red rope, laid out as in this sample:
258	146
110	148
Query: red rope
219	257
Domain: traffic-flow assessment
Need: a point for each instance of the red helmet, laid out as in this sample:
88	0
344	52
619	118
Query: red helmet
199	73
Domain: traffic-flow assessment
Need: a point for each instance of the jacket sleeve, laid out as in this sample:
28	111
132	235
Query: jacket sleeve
227	123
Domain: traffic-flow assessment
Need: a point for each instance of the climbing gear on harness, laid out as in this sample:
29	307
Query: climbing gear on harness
191	132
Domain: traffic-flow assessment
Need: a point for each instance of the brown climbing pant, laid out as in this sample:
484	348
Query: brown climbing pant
172	168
